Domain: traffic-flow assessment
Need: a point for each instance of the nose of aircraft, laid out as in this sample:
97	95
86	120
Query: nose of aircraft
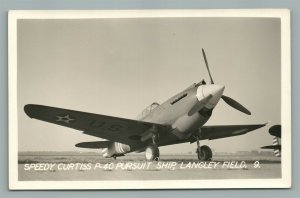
215	90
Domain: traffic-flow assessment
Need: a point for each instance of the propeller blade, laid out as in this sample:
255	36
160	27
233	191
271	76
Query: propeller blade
206	63
231	102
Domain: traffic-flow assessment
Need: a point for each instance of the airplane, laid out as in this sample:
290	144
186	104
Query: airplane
180	119
275	131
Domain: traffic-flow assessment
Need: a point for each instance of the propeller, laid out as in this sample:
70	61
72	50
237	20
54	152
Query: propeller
206	63
231	102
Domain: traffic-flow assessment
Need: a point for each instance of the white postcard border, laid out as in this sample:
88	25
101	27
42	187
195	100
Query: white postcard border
284	182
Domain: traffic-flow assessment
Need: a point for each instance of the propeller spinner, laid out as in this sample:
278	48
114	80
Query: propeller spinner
231	102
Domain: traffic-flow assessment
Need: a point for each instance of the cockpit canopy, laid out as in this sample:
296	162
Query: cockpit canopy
147	110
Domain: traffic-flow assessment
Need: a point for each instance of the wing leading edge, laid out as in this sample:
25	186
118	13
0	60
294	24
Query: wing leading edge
217	132
115	129
223	131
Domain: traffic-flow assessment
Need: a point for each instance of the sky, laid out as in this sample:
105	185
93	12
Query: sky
117	67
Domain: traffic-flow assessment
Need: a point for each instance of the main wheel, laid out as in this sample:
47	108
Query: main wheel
204	153
152	153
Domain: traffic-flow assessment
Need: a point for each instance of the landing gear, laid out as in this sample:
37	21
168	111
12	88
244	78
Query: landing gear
204	153
152	153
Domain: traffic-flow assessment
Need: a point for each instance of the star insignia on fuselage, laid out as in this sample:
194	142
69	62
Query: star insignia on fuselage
66	118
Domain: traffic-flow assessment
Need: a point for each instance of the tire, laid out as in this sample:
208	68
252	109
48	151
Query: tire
204	153
152	153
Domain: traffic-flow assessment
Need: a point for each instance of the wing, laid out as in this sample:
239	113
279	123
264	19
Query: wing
116	129
217	132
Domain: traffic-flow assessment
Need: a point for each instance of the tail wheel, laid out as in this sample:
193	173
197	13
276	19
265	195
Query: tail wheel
204	153
152	153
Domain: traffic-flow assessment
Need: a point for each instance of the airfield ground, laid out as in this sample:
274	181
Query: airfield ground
91	167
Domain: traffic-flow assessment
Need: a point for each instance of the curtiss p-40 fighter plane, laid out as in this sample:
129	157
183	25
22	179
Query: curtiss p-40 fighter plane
275	131
178	120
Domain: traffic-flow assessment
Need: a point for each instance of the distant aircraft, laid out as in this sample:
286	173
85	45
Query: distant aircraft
178	120
276	132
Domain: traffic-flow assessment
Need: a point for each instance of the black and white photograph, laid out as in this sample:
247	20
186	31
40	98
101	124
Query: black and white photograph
149	99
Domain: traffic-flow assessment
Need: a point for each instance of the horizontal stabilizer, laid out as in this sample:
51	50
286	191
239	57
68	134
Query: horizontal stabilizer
93	145
272	147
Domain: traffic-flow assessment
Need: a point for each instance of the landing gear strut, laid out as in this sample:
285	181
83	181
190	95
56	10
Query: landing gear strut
152	151
204	153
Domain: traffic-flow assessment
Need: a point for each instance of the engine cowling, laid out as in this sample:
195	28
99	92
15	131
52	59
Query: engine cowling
185	124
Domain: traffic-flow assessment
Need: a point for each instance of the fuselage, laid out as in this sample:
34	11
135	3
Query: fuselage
175	113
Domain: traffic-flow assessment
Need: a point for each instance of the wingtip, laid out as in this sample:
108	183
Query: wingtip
78	145
28	109
268	122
